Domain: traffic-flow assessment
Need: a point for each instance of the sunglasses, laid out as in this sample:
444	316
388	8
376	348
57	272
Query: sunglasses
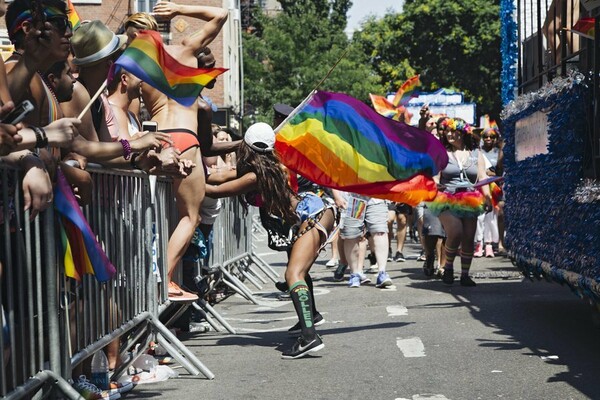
488	136
61	23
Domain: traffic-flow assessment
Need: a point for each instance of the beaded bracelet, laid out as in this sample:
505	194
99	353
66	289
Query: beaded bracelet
126	148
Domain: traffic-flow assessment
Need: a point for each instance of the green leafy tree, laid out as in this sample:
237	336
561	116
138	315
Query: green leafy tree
452	43
289	54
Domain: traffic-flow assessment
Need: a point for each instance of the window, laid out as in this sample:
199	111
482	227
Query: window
145	5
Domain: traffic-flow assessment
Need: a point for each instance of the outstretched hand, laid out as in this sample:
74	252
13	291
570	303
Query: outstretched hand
37	187
165	10
9	136
150	141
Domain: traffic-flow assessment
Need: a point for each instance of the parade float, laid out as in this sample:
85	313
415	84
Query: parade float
550	121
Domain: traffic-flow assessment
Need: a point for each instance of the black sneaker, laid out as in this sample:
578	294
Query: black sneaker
399	257
390	257
302	347
281	286
465	280
448	276
338	275
296	329
428	268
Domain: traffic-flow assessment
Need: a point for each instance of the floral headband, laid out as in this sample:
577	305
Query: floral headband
456	125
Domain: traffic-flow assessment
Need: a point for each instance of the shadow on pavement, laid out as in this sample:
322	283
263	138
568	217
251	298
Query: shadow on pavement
549	322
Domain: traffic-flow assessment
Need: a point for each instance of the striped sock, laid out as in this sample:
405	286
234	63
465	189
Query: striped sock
465	263
450	256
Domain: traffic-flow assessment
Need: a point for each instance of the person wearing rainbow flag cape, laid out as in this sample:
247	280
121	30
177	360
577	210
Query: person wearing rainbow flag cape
458	202
262	181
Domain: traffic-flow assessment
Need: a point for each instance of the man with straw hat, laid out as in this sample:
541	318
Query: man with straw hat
95	48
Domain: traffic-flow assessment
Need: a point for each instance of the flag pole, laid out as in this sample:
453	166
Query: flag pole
312	92
87	107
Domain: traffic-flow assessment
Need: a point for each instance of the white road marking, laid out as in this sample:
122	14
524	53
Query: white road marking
549	358
395	311
496	371
426	397
411	347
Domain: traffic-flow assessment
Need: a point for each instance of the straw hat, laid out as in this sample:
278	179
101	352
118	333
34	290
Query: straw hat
94	42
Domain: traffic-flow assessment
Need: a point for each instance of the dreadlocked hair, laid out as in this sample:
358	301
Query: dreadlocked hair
272	182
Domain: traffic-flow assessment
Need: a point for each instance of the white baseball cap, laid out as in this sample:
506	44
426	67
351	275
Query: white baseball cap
260	137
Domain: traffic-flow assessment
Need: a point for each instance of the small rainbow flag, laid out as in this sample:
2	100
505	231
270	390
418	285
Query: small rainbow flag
385	108
585	27
73	16
407	91
337	141
82	252
147	59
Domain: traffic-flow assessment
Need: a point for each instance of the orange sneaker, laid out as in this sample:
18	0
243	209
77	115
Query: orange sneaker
178	294
174	289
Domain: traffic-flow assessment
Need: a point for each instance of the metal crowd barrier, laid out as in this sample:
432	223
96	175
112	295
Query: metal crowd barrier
233	252
52	323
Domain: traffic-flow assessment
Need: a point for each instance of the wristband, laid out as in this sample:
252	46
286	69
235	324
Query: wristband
126	148
41	140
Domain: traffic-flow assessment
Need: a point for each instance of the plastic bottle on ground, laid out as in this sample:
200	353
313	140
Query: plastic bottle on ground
100	370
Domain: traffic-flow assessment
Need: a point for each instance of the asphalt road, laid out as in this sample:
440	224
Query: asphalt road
507	338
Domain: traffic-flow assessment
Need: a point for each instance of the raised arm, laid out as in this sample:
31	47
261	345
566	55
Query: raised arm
215	18
244	184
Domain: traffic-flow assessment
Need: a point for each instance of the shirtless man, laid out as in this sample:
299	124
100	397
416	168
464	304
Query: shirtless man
181	123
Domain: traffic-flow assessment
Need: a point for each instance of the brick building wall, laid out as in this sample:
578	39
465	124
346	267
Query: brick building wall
113	13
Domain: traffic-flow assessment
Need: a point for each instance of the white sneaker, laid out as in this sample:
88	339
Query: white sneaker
363	278
333	263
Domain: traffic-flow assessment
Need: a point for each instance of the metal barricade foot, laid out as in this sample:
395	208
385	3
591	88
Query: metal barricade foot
208	310
179	351
264	267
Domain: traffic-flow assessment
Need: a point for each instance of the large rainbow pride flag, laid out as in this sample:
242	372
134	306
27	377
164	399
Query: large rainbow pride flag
82	252
147	59
339	142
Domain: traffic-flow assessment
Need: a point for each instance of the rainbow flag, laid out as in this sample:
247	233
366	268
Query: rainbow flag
385	108
73	16
147	59
486	122
407	91
339	142
585	27
82	252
